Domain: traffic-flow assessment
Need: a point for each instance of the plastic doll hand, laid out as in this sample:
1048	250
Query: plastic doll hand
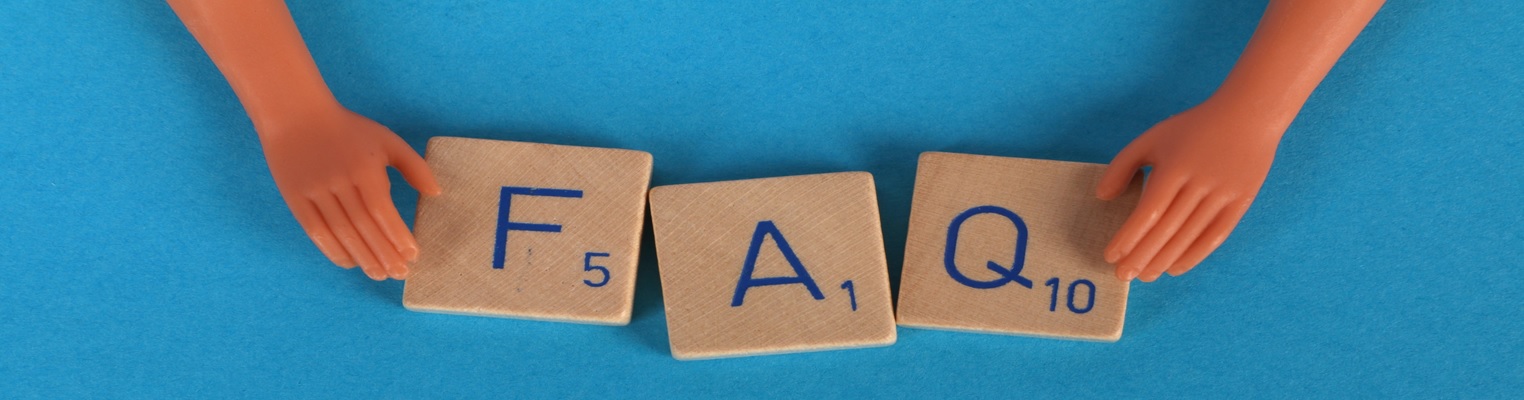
330	167
1208	164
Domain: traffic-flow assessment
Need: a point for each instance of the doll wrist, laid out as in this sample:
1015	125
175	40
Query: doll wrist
280	115
1248	109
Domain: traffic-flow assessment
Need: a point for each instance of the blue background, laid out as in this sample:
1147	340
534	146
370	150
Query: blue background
145	251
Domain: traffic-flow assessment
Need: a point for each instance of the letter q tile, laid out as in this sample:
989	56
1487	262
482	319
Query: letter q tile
1014	246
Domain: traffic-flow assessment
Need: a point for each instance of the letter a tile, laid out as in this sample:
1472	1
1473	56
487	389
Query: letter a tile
530	230
1014	246
773	265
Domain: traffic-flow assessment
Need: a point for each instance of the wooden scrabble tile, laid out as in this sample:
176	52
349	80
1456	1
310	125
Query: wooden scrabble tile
530	230
1011	245
773	265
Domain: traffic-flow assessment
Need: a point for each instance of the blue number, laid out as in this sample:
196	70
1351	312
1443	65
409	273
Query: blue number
1053	299
1012	274
1088	303
587	265
850	293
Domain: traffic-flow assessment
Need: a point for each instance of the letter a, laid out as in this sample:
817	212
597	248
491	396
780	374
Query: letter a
767	228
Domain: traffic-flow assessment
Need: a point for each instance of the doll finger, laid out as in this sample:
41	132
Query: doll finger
414	169
1194	225
378	202
311	220
338	220
1161	232
385	253
1122	170
1158	193
1210	239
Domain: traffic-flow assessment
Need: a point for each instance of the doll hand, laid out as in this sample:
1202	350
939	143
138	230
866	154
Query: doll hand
330	167
1208	164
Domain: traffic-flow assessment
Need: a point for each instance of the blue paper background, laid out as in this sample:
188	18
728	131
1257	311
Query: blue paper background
145	251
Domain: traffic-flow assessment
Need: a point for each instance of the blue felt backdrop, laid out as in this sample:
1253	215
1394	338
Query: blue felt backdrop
145	251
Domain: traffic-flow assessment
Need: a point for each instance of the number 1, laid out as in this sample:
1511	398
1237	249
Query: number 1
850	293
1053	299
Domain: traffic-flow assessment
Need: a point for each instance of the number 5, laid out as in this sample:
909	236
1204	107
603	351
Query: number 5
587	265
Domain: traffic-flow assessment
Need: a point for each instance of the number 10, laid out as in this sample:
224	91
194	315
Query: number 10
1089	301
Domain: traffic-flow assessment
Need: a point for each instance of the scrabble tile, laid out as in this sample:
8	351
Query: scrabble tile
773	265
1014	246
530	230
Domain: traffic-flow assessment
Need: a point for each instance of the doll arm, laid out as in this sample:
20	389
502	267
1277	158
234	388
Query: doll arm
258	49
1209	162
328	162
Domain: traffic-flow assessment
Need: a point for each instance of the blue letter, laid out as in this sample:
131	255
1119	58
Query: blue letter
1012	274
504	225
764	229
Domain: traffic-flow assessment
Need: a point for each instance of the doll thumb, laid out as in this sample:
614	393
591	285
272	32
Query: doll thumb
1121	172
